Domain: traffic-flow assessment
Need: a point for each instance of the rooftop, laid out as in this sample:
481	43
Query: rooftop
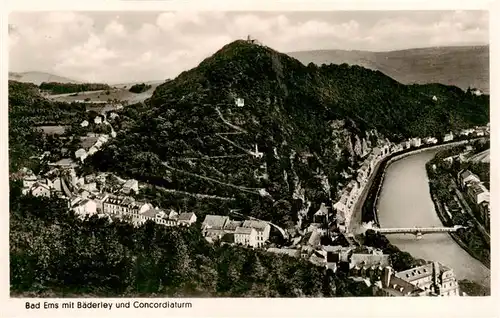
478	188
215	221
323	210
258	225
369	260
467	173
398	286
419	272
244	230
151	213
64	162
232	225
88	142
185	216
130	183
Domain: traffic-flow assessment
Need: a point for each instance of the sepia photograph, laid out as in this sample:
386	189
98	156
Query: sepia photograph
248	154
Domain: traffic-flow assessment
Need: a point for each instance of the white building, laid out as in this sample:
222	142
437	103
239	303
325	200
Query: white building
92	150
478	192
433	278
40	190
156	215
98	120
448	137
130	185
262	229
416	142
81	154
214	222
186	219
430	140
85	207
84	123
341	208
466	132
240	102
246	236
29	181
466	177
124	206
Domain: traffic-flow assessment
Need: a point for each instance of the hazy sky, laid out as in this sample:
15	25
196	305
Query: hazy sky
119	47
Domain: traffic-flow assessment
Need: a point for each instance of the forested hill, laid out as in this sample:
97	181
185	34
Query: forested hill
192	136
463	66
337	91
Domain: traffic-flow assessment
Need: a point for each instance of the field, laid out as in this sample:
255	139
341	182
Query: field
118	92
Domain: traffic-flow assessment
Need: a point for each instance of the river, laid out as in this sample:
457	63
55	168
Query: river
405	202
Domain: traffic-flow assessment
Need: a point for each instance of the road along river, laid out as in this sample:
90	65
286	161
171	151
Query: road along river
405	201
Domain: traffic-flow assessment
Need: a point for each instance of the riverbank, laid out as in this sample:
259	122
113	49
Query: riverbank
452	209
447	222
365	208
405	201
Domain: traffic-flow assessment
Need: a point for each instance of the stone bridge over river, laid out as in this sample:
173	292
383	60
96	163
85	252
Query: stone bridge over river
417	231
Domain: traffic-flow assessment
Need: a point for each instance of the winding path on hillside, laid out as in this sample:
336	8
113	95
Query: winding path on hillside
243	189
228	123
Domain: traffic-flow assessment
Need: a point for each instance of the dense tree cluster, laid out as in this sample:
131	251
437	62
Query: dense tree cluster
53	253
139	88
54	88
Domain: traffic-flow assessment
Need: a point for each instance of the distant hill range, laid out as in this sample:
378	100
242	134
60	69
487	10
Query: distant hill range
38	77
462	66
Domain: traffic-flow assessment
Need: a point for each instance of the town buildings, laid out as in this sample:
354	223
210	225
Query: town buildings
158	216
477	192
368	264
432	279
116	205
250	233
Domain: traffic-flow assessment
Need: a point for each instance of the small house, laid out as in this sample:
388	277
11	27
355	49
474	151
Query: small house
186	219
40	190
98	120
